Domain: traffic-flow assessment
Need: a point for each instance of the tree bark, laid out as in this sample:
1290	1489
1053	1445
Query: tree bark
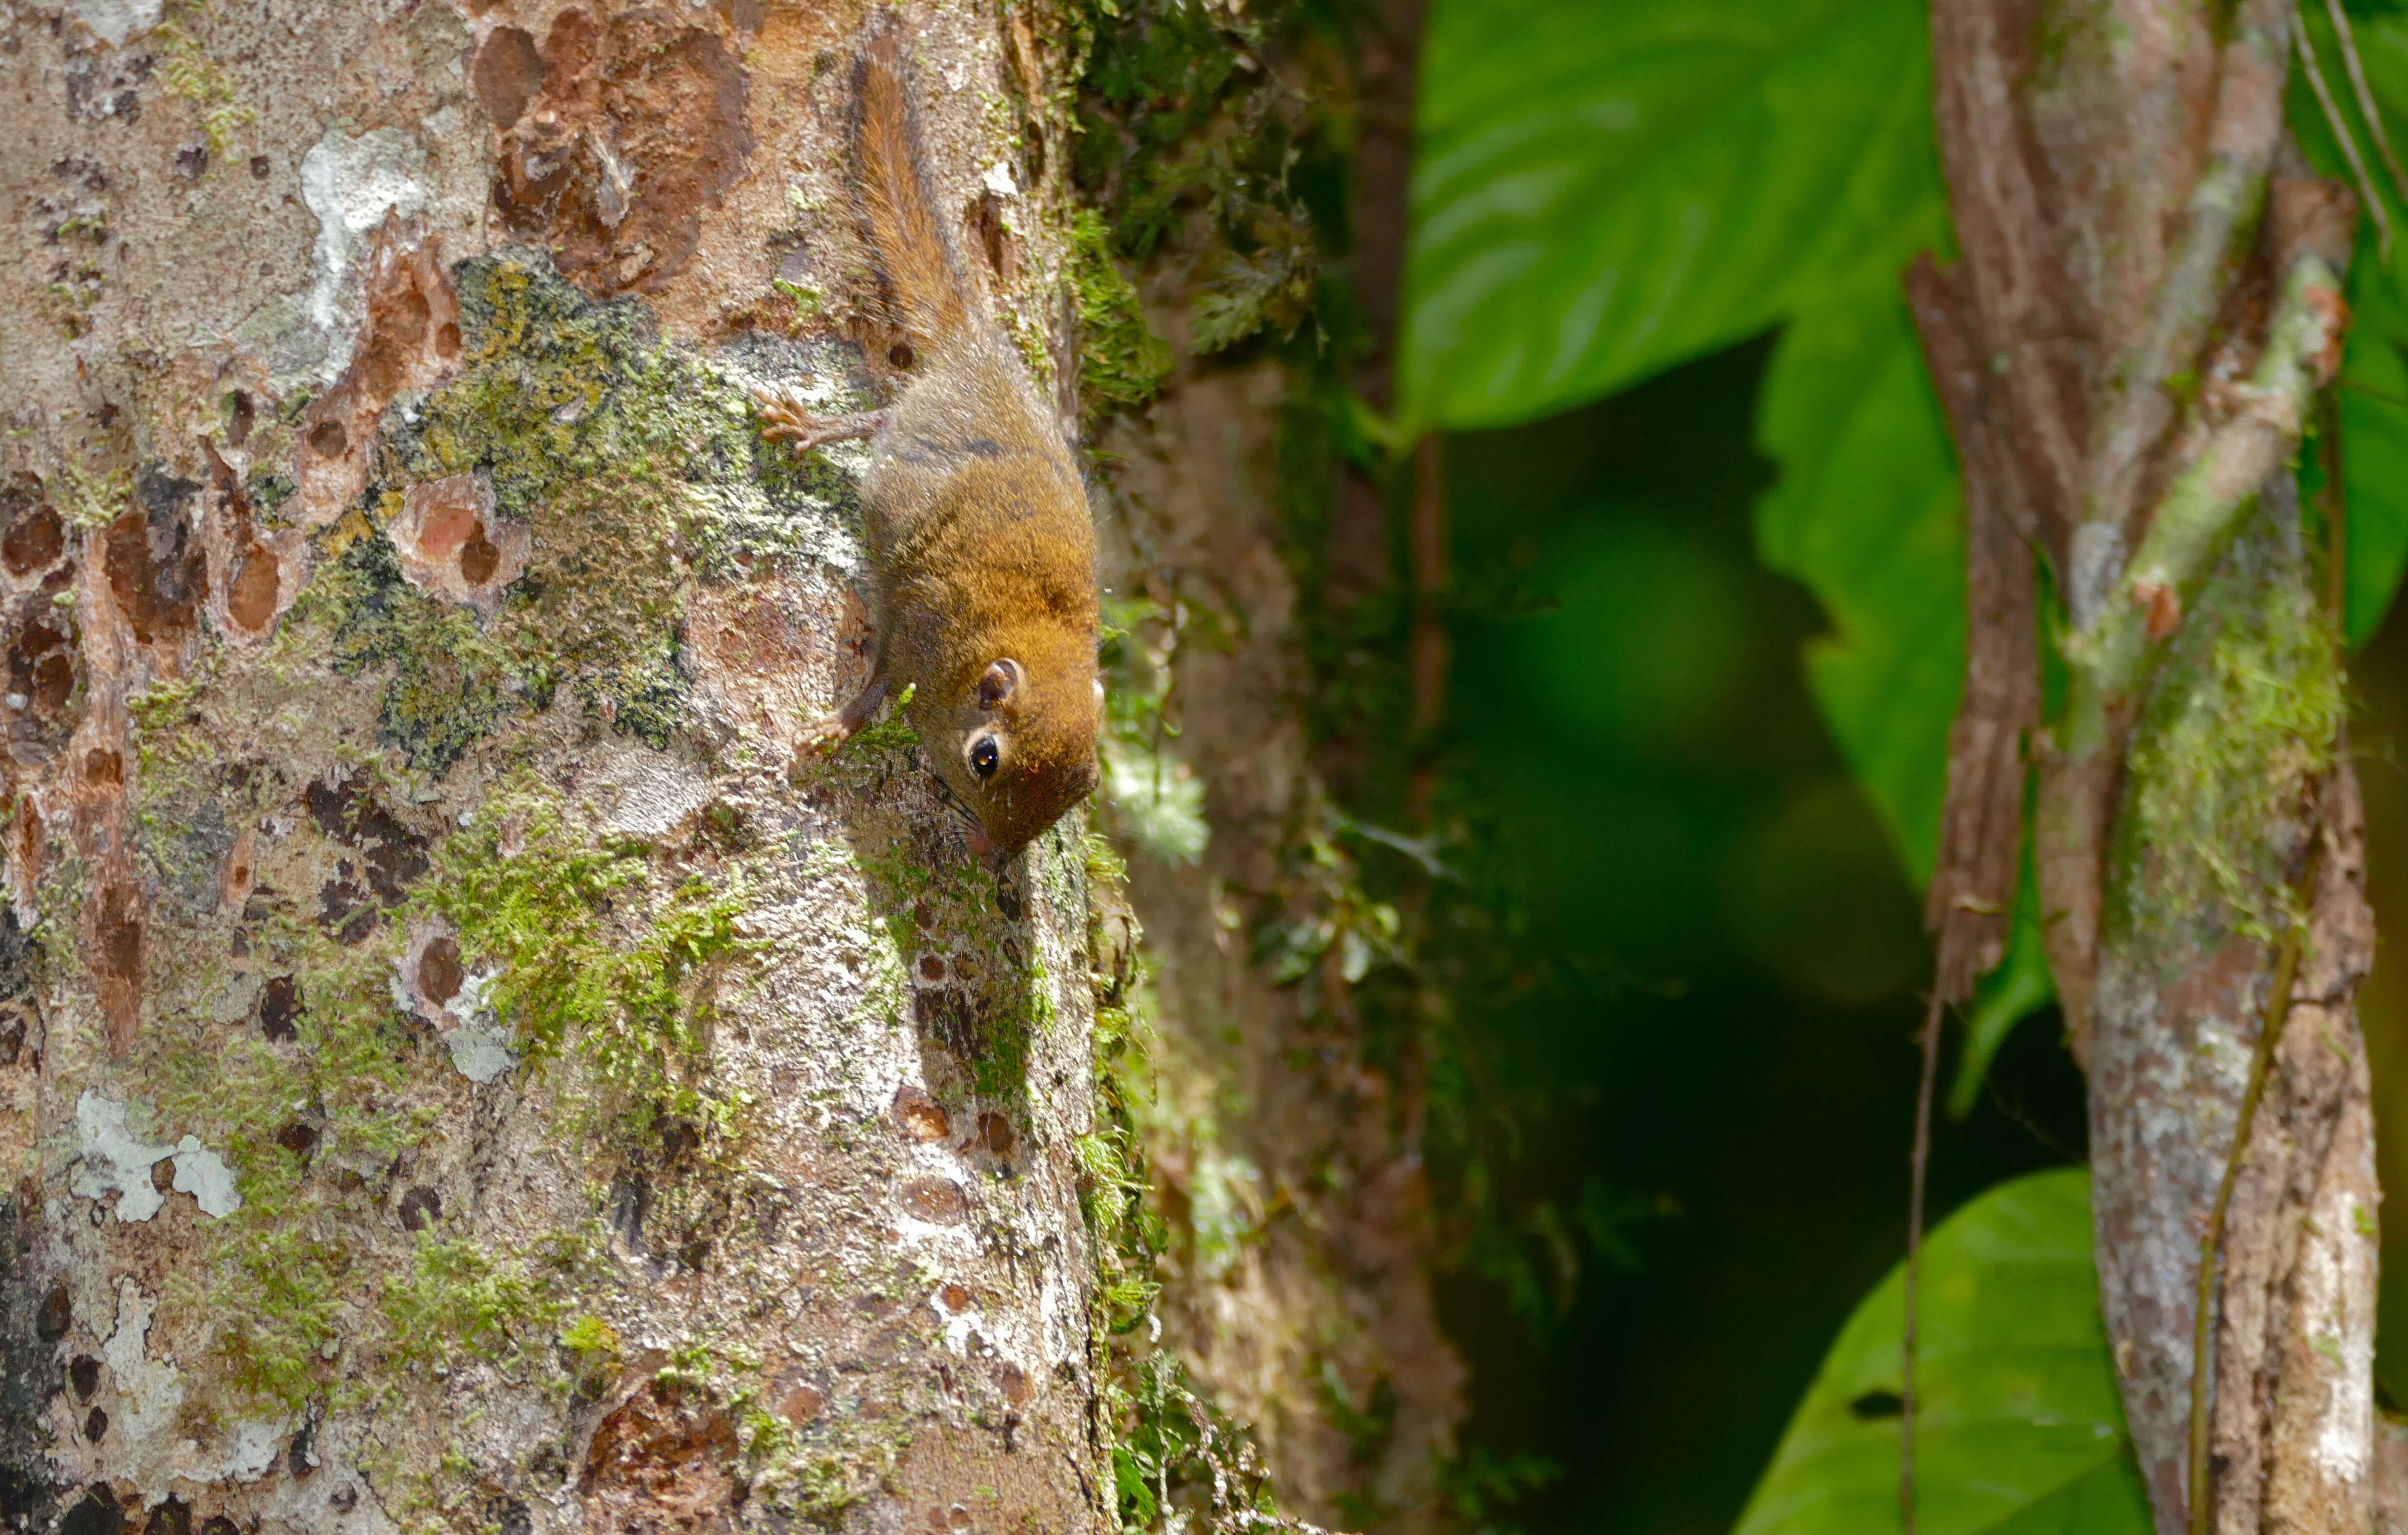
2147	304
459	1068
1296	1286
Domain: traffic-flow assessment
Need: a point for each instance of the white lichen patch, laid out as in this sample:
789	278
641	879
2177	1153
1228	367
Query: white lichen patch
113	1157
429	981
351	183
479	1053
203	1174
114	20
155	1444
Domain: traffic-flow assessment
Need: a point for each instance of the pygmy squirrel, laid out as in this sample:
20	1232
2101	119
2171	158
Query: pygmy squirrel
981	588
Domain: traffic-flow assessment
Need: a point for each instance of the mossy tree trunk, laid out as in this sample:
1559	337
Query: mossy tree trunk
2146	311
458	1069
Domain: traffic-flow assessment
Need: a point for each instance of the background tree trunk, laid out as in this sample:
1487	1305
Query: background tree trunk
457	1070
2146	305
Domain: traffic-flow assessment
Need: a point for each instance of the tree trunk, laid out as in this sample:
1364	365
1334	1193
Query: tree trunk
460	1069
2146	308
1296	1286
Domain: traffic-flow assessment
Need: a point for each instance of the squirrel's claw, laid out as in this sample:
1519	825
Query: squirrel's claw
822	736
786	419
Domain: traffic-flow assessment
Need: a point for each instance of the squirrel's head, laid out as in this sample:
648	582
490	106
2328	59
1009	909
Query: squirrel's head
1019	747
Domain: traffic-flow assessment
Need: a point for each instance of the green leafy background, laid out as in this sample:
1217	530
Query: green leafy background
1604	191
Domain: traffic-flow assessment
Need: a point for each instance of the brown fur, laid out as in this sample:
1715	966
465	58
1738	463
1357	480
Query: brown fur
982	551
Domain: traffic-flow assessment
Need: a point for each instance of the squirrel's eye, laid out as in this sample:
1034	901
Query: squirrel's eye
984	756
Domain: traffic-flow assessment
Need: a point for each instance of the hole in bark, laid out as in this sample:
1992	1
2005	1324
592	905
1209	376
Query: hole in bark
938	1201
50	1319
103	767
508	71
901	355
328	439
250	596
438	971
85	1375
172	1517
802	1404
447	340
156	569
220	1525
920	1117
35	538
420	1207
298	1139
97	1514
240	413
95	1426
478	558
996	1133
193	162
259	167
117	961
931	967
279	1003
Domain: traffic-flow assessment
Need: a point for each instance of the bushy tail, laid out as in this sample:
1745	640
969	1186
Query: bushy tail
931	298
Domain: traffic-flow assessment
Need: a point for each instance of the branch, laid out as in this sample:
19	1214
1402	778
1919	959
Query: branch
2221	219
2113	652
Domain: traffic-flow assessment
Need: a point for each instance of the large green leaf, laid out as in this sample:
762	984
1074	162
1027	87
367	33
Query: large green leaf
1605	187
2018	1429
1867	513
2374	377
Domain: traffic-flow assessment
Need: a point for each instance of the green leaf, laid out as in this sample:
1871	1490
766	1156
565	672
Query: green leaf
2374	447
1867	513
2373	377
2018	1428
1603	189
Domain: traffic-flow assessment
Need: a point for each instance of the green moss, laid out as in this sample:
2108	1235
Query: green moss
1122	361
191	72
634	463
575	973
456	1300
2240	721
277	1269
451	678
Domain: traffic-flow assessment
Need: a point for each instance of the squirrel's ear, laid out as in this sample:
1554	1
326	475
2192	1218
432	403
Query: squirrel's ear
1001	678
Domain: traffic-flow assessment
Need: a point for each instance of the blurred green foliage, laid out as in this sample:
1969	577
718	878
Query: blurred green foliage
1603	190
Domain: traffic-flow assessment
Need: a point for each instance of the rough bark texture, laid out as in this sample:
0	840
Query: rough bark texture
2143	307
1298	1291
455	1068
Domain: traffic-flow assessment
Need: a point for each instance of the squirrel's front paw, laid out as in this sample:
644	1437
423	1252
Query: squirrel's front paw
822	736
786	419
